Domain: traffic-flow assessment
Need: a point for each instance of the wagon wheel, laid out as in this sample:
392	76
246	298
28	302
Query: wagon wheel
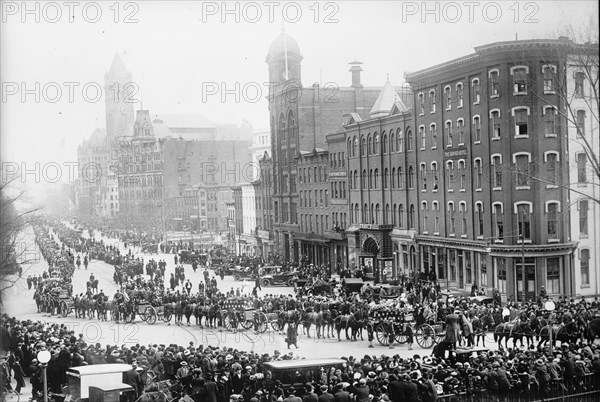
64	308
167	315
426	336
290	282
227	323
265	282
246	324
237	277
262	323
401	337
382	335
277	325
143	315
150	314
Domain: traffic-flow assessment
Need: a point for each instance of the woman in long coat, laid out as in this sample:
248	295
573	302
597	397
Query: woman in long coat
452	330
467	328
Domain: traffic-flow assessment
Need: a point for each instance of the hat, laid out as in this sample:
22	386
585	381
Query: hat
184	363
324	388
539	362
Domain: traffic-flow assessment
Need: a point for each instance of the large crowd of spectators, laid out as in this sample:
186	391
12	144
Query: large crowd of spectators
219	374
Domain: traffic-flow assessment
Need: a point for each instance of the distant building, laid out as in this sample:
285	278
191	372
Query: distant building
261	143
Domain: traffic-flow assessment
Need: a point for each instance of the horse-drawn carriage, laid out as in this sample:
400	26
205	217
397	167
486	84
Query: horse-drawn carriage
152	314
66	304
150	248
238	313
396	324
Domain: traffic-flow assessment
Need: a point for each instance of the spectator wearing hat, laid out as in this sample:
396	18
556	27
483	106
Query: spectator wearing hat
403	390
452	330
132	377
310	395
341	395
183	371
362	391
325	395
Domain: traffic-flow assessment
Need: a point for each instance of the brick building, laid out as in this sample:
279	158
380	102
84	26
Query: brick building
485	127
301	117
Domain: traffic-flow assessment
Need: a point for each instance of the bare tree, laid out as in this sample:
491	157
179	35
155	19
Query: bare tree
571	74
18	248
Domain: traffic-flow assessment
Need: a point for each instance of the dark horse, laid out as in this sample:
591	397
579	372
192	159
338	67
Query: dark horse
515	331
355	321
562	332
481	325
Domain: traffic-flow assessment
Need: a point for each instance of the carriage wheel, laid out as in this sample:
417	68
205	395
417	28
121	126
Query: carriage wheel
227	323
401	337
265	282
64	309
237	277
277	325
150	314
263	323
143	315
382	335
246	324
290	282
426	336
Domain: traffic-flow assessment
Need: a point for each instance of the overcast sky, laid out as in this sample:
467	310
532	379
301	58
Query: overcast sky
174	49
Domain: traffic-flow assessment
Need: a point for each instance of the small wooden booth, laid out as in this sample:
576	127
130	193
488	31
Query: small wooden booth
99	382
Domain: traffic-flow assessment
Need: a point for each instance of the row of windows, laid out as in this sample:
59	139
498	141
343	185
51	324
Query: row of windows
455	133
321	198
522	211
313	175
456	171
373	145
337	159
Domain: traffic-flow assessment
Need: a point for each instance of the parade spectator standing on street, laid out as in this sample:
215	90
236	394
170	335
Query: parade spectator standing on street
292	335
452	330
497	298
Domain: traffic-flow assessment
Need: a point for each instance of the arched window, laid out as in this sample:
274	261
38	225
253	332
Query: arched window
376	144
363	147
400	178
384	144
291	127
350	146
411	217
369	142
393	178
376	182
372	214
386	218
282	129
386	173
409	140
401	216
392	142
365	214
364	179
370	179
411	177
395	215
400	141
354	146
377	214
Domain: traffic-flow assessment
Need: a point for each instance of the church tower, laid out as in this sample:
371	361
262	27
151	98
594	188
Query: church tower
120	93
284	60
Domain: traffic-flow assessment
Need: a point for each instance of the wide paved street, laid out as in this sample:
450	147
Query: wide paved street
19	303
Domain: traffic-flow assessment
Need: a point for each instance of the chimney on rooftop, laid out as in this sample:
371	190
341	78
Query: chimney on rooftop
356	69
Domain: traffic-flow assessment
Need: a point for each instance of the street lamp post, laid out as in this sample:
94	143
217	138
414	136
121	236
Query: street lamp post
549	305
43	357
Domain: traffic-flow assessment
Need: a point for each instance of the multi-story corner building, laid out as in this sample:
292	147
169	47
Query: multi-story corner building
301	117
313	196
584	151
339	208
382	188
486	129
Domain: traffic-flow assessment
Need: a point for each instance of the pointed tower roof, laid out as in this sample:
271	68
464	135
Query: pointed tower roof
386	100
117	67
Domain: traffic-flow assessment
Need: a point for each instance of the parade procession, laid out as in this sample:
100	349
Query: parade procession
300	202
